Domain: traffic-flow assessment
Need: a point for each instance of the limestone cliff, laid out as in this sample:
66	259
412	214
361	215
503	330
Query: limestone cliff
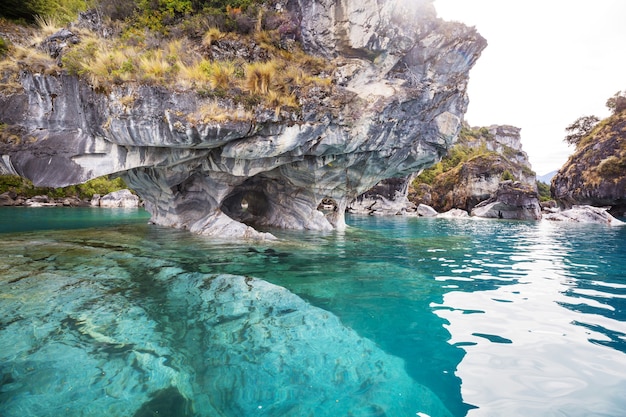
394	106
474	169
596	173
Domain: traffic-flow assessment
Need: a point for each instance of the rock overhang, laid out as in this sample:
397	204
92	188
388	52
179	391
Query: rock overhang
393	109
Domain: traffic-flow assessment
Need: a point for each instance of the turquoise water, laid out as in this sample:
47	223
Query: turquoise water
22	219
394	317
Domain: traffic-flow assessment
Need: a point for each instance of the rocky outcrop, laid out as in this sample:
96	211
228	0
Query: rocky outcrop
513	200
11	198
424	210
595	174
387	198
454	214
395	107
477	164
121	198
8	199
584	214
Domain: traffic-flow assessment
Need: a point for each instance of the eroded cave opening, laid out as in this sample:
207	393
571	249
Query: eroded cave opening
328	205
246	205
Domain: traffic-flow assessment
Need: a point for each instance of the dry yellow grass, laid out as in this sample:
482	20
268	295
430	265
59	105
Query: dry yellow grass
259	76
153	66
212	111
191	76
37	61
48	25
179	64
212	35
222	75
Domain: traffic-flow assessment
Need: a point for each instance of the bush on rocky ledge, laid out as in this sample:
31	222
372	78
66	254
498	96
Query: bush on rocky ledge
25	188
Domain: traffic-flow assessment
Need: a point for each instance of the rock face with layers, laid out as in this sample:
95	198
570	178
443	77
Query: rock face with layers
396	105
596	173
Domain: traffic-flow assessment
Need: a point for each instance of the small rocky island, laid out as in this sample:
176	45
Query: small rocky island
385	99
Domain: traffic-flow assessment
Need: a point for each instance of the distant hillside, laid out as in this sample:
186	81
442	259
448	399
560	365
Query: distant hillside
473	169
596	173
547	178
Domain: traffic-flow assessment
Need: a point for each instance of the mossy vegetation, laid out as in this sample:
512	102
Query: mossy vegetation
4	47
507	176
25	188
543	190
470	144
471	157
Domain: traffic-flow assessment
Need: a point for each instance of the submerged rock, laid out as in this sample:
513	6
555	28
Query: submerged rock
267	344
394	107
134	336
584	214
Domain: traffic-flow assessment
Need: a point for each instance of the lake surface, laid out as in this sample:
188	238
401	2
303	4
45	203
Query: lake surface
104	315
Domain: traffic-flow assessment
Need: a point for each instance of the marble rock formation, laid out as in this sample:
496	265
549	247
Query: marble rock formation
121	198
395	107
454	214
513	200
387	198
584	214
424	210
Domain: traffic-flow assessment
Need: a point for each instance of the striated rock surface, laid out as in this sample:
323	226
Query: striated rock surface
513	200
596	173
395	107
7	199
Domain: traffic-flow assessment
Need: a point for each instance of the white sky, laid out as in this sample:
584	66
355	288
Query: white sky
548	62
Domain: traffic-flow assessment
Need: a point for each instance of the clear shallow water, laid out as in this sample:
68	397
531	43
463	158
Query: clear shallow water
393	317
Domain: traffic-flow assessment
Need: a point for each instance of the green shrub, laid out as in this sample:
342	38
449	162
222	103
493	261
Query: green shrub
100	185
507	176
25	188
544	191
4	47
612	167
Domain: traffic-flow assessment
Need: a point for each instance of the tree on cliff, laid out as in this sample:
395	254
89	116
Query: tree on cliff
617	103
580	128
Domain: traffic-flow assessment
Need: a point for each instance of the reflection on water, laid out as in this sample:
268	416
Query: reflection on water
393	317
566	307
